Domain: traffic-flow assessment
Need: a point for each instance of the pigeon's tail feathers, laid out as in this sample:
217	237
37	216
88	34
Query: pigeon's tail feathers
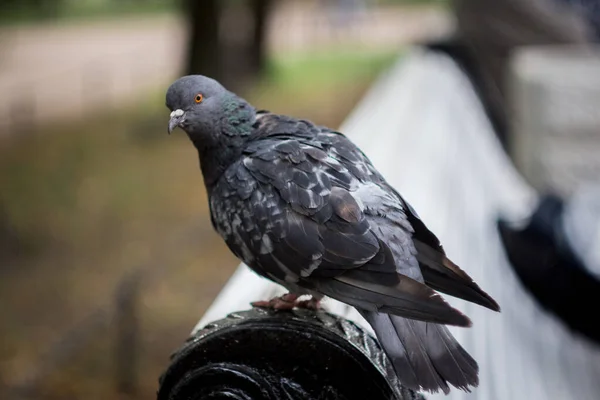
390	293
443	275
425	355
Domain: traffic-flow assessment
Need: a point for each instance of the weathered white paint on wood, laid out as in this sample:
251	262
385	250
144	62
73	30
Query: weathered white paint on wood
425	130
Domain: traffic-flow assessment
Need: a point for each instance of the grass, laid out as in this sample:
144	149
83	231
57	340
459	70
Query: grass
88	202
321	85
325	68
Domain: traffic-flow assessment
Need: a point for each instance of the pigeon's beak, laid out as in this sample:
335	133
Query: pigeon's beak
177	117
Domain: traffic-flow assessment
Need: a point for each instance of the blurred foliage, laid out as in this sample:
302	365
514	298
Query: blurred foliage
19	11
98	198
293	72
318	85
400	2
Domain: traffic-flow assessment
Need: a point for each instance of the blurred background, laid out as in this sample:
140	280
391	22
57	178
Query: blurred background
107	255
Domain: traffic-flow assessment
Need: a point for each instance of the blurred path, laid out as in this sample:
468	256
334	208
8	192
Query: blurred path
56	71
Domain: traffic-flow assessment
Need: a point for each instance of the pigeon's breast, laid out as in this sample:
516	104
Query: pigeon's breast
248	217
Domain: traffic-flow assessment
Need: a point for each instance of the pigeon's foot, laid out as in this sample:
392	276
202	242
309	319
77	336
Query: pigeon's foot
285	302
312	304
289	301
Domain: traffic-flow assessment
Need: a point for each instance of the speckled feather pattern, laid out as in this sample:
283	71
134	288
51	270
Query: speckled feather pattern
302	196
301	205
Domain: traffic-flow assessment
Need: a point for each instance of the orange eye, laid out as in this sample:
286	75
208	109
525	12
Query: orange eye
199	98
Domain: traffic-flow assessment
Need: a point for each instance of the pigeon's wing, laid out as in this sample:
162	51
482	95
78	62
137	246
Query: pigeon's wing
438	271
311	221
310	229
391	211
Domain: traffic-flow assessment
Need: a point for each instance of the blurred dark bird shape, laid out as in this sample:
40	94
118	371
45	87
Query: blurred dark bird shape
549	268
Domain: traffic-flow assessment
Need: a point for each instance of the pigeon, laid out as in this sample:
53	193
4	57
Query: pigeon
303	206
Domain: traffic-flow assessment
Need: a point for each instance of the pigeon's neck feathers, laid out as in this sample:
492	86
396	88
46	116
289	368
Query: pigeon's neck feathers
238	116
232	129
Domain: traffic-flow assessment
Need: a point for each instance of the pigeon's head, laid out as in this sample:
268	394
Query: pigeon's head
216	120
212	116
196	103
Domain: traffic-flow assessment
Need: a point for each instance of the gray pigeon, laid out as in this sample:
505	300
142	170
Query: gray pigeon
301	205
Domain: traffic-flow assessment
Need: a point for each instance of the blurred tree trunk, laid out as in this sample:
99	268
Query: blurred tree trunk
260	13
203	56
226	58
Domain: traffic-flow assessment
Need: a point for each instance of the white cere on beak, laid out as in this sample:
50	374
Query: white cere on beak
177	113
